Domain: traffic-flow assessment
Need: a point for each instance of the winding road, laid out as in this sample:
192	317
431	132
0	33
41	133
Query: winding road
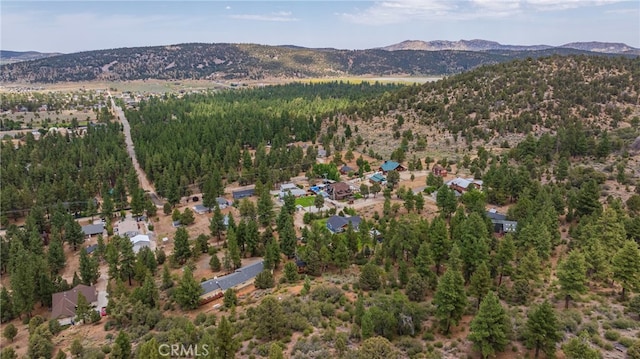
142	177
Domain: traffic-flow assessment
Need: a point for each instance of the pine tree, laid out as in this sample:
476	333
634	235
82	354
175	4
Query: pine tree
626	267
288	238
127	259
226	344
264	280
230	298
504	257
187	293
181	249
270	319
122	347
588	199
541	330
416	288
450	299
291	272
490	327
214	263
55	256
275	351
6	306
234	249
82	309
572	275
89	272
579	348
480	283
474	244
149	292
167	281
341	253
265	208
149	350
446	201
73	233
440	244
10	332
23	285
370	277
216	225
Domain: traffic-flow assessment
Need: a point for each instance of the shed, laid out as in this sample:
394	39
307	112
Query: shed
239	194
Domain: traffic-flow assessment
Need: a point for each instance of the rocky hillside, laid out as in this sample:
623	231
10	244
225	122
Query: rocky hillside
248	61
8	57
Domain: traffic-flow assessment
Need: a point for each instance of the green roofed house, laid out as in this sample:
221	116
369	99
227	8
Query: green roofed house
377	178
391	166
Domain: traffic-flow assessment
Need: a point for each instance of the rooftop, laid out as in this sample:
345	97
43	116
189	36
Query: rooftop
231	280
91	229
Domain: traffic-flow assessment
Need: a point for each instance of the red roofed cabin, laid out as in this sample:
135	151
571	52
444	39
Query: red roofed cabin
439	170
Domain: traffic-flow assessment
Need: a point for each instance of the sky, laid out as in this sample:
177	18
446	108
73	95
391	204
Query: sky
73	26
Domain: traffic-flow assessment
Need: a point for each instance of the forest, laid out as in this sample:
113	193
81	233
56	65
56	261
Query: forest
424	276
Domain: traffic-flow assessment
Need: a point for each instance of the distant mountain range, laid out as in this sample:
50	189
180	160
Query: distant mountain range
8	57
256	62
484	45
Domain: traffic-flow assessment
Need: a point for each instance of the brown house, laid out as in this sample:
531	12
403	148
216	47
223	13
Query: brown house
64	303
439	170
339	190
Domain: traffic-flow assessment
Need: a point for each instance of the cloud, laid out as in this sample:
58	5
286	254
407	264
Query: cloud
280	16
228	8
398	11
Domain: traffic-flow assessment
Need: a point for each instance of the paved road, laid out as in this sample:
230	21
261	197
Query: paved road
142	177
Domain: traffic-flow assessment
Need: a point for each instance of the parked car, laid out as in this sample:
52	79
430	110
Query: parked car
103	311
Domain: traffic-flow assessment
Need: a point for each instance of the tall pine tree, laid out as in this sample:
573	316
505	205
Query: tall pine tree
490	327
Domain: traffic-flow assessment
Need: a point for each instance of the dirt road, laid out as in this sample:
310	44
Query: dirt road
142	177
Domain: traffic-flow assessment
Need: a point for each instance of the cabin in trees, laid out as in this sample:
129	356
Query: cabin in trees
214	288
438	170
344	170
462	185
64	303
500	223
91	230
339	190
223	202
290	188
243	193
140	241
200	209
377	178
391	166
337	224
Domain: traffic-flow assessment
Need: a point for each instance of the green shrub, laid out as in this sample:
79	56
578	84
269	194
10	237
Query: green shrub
622	323
612	335
626	341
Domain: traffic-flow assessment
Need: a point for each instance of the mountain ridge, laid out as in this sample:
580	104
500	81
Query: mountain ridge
226	61
485	45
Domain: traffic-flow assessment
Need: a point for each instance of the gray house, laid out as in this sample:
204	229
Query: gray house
500	222
215	288
93	229
337	224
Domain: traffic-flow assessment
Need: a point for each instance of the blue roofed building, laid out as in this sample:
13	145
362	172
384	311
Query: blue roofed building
391	166
337	224
214	288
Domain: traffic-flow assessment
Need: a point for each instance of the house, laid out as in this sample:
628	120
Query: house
346	170
91	230
92	248
322	153
214	288
500	222
337	224
438	170
377	178
223	202
290	188
287	187
64	303
464	184
140	241
390	166
240	194
200	209
339	190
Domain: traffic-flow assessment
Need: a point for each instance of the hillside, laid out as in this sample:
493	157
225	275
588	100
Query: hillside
248	61
8	57
484	45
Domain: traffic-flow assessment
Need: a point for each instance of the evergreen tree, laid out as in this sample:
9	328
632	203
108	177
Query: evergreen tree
10	332
370	277
214	263
440	244
181	249
149	349
529	267
450	299
490	327
265	208
23	285
40	345
230	298
288	238
270	319
121	349
340	253
572	275
127	259
73	233
480	283
187	293
226	344
275	351
626	267
187	217
416	288
541	330
264	280
474	244
6	306
149	292
446	201
291	272
216	225
89	272
137	202
55	256
504	257
82	309
234	249
588	199
167	281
